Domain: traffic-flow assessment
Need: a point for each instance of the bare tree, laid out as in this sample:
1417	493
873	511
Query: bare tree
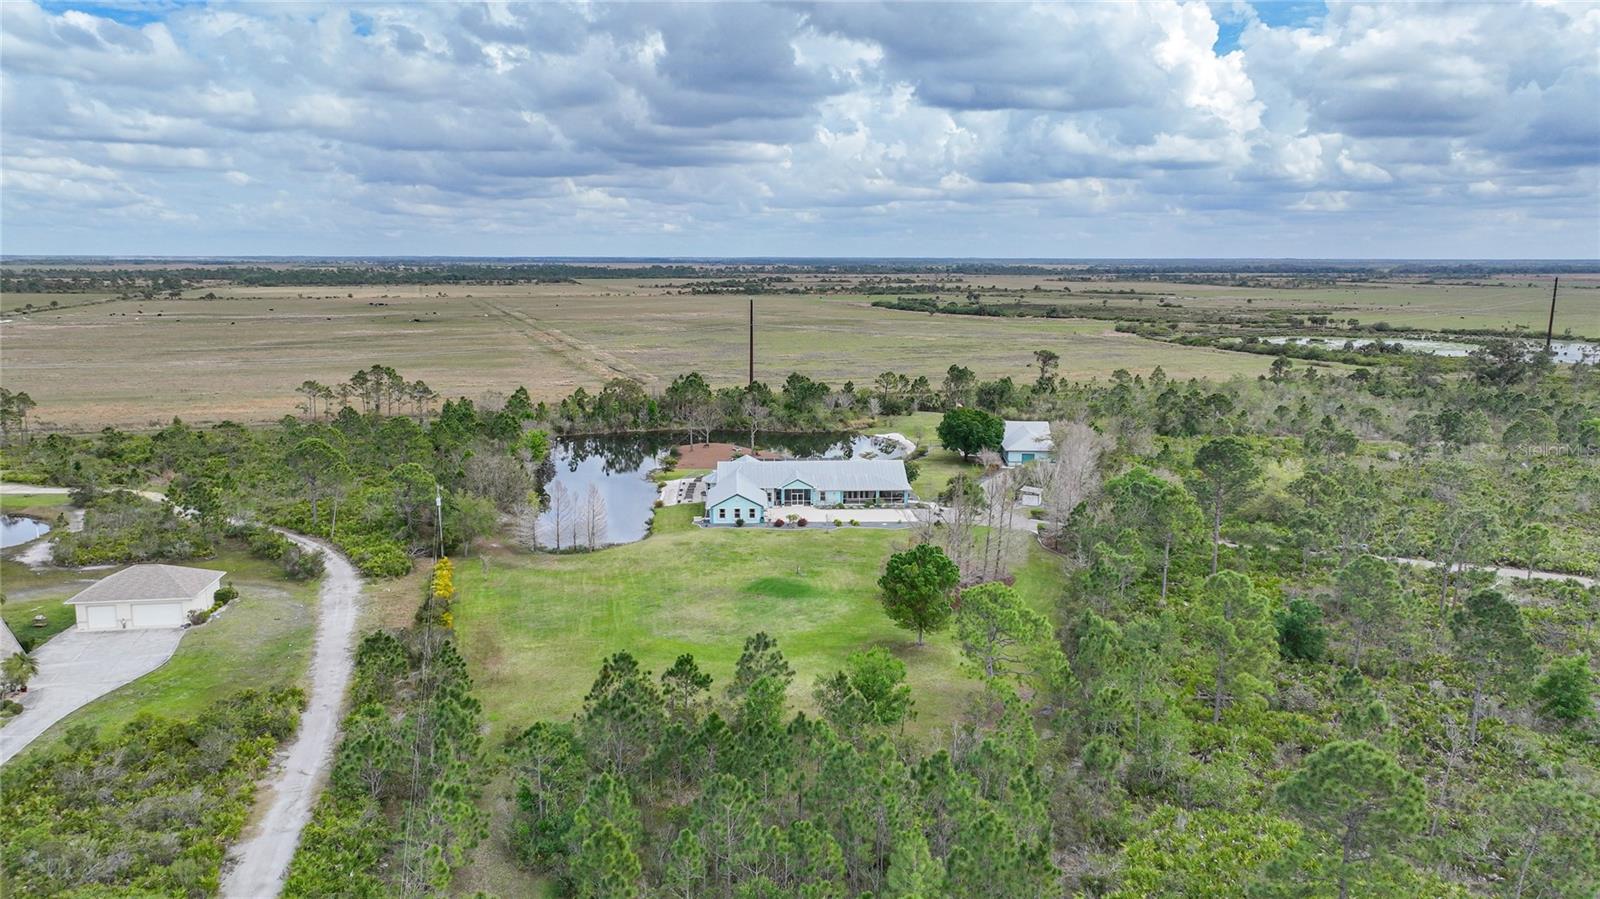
700	418
592	518
496	475
1074	475
756	417
1000	493
525	520
561	512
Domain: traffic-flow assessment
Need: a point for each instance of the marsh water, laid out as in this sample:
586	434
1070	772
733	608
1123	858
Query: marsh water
606	480
1565	351
16	530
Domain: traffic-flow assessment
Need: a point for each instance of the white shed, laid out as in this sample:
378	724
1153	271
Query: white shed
145	596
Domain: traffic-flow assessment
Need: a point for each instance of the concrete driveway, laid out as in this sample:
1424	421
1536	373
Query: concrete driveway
76	667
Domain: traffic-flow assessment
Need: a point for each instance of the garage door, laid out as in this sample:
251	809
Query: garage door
158	614
101	617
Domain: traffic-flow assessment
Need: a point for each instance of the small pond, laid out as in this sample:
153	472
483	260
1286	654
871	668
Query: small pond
606	480
1566	351
16	530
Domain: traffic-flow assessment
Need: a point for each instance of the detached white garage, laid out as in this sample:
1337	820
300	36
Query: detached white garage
145	596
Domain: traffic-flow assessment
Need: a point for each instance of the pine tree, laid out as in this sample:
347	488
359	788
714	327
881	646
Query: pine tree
686	866
1235	626
998	630
1228	472
622	716
1493	645
1552	831
727	819
913	874
1356	802
605	866
1367	594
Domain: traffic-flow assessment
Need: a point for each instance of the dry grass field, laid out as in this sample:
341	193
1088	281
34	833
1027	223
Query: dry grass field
1499	302
95	360
99	361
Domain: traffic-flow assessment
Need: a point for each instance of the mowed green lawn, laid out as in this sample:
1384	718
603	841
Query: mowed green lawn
262	641
33	502
536	628
937	467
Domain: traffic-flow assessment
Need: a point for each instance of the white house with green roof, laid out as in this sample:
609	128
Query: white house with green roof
747	489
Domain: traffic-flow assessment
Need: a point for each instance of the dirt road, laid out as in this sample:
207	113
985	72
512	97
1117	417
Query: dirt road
258	861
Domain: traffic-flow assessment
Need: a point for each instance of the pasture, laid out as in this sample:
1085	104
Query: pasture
134	363
1509	302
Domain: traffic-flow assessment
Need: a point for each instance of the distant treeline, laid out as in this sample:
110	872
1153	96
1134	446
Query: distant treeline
65	274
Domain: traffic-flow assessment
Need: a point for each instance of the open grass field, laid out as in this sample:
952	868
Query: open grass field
262	640
535	629
34	503
132	363
1503	302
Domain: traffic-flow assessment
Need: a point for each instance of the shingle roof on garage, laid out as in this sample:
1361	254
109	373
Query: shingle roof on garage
147	583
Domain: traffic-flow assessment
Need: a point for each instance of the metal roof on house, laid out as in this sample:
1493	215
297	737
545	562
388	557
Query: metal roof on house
148	583
1027	437
750	477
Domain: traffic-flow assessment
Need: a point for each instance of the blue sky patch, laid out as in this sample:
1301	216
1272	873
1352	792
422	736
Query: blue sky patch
1277	13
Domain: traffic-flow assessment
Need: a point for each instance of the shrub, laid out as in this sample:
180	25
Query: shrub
1565	691
124	527
854	523
267	544
302	564
10	707
198	617
777	522
225	594
143	811
1301	635
376	556
800	522
738	522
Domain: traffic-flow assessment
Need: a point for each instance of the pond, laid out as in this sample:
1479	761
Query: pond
16	530
598	490
1565	351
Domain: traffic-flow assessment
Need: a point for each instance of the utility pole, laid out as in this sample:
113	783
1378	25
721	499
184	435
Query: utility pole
438	512
752	340
1550	331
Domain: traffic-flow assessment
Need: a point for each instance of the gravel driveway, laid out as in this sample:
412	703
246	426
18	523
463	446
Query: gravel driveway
259	859
76	667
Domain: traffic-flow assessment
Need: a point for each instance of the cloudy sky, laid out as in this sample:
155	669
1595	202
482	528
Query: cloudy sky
1133	129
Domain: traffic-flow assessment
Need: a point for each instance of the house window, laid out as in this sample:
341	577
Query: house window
722	513
738	512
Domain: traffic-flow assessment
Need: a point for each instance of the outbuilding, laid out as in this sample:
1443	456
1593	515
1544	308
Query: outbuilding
1027	441
145	596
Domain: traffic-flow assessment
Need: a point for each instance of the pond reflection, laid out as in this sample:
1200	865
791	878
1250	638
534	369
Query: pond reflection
16	530
598	491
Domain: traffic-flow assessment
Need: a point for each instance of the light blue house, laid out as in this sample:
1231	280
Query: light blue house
750	489
1027	441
